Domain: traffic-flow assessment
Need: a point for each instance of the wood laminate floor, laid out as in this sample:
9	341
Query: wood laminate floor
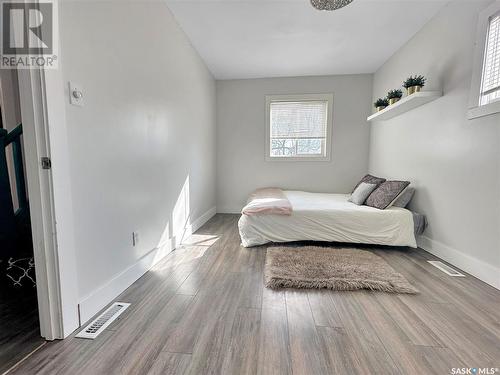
19	325
204	310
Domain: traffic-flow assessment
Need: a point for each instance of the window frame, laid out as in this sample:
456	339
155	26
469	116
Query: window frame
477	110
299	98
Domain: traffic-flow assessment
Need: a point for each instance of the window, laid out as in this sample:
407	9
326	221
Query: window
490	88
485	90
298	127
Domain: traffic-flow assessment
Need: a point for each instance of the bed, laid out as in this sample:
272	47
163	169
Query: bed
332	218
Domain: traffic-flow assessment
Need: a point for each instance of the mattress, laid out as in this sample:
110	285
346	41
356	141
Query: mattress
330	217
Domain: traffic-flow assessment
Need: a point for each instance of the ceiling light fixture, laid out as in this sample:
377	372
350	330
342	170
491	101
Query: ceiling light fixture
330	4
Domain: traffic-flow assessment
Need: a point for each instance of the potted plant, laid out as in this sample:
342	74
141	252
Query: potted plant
414	84
394	96
381	103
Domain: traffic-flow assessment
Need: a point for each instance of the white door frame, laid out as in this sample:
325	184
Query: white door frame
44	133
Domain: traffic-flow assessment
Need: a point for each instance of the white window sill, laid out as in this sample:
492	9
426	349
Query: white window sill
484	110
303	158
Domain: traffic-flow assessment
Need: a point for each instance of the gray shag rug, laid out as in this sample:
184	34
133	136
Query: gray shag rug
314	267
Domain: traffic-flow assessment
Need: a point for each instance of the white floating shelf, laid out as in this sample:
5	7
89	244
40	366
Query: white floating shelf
406	104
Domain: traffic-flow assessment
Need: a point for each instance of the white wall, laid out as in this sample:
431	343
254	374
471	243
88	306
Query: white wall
241	165
453	162
142	149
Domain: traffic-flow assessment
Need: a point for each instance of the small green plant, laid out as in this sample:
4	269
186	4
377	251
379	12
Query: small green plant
381	103
414	81
395	94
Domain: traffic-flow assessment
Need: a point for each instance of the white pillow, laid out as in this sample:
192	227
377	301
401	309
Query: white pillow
362	192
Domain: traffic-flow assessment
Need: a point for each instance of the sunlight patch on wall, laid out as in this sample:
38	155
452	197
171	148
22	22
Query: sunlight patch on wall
181	214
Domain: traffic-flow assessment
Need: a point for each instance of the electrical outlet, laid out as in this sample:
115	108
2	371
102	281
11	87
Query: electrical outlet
135	238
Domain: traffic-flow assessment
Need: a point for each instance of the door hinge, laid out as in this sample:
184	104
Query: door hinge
46	163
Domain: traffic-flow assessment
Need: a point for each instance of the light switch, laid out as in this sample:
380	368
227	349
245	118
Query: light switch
76	94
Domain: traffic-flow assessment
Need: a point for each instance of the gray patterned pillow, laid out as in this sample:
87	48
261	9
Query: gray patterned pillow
387	191
369	179
404	198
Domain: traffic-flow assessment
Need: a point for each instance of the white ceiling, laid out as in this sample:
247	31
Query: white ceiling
273	38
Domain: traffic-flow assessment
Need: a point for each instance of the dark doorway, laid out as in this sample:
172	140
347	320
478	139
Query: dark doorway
19	322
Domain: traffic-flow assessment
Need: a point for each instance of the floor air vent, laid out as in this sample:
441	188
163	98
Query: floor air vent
98	325
445	268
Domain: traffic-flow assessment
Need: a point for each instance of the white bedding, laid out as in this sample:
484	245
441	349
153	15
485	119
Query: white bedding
329	217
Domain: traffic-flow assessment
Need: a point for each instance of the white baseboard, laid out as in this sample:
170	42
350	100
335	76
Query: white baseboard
100	298
229	210
97	300
193	226
482	270
198	223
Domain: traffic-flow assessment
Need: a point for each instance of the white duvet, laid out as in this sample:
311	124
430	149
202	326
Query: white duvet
329	217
